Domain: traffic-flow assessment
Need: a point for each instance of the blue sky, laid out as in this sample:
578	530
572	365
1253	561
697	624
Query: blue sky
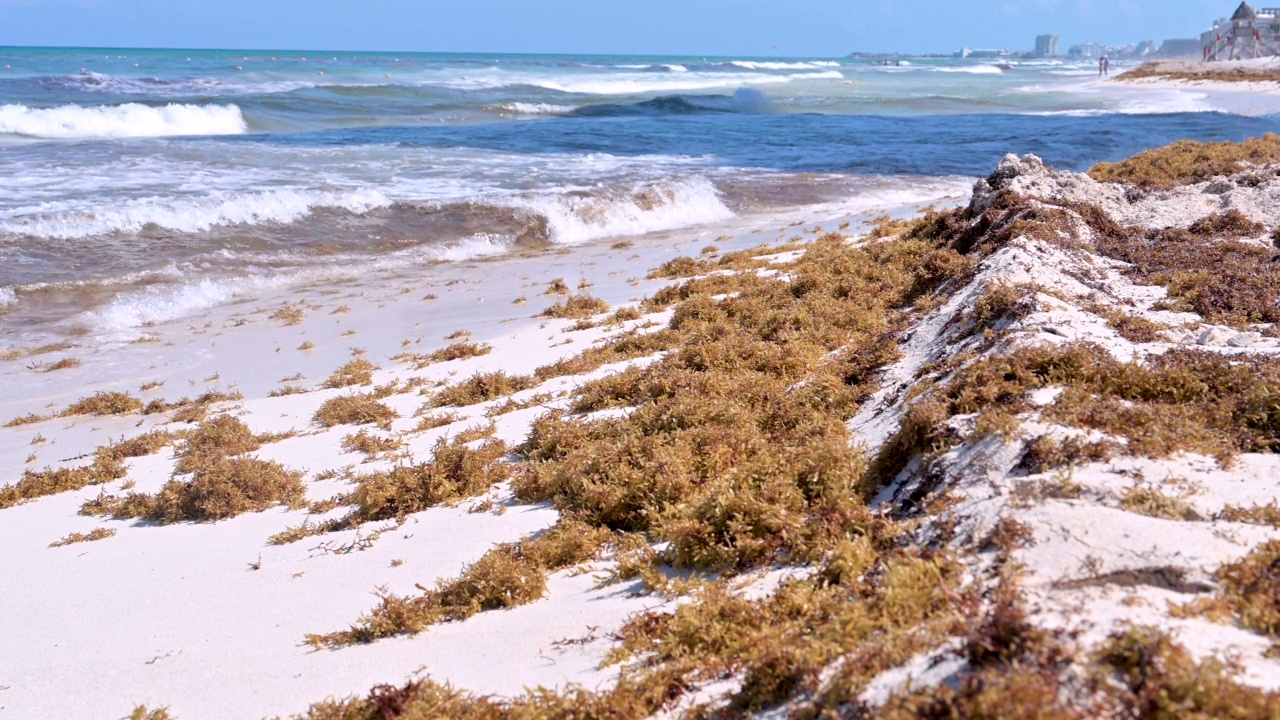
699	27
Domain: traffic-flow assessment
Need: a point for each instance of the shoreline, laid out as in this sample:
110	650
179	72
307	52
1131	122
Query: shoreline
1011	453
465	289
126	307
160	659
1242	94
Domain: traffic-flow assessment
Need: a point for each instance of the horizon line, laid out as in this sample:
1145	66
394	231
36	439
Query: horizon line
153	48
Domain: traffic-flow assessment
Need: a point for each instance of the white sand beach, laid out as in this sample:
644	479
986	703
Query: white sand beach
1239	95
1087	518
178	615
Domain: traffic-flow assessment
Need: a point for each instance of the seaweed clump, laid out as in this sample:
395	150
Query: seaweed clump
34	484
222	482
104	403
455	471
482	387
509	575
355	410
1188	161
735	453
1209	269
576	307
356	372
1150	676
1247	592
1181	401
221	489
455	351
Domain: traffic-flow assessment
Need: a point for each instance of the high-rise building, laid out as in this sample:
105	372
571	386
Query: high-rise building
1046	45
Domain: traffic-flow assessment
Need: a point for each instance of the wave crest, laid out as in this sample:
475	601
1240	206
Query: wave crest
762	65
280	206
564	216
744	100
971	70
121	121
643	84
578	217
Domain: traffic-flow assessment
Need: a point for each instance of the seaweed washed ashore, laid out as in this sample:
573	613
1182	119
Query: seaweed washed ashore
1012	459
1246	87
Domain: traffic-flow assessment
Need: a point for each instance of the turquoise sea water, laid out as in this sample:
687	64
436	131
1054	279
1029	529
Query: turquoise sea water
139	184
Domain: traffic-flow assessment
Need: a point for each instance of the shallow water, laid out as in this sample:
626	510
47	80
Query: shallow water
141	184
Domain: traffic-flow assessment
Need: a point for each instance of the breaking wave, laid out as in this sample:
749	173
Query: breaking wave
525	108
566	216
156	303
578	217
675	82
971	69
744	100
121	121
755	65
281	206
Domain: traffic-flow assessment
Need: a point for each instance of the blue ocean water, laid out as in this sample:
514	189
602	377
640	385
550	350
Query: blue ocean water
200	170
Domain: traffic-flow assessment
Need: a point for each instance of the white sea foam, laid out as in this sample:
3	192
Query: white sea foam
161	303
7	296
522	108
756	65
249	83
469	249
627	83
100	82
192	215
574	217
1156	104
668	68
1135	102
971	69
577	218
119	121
677	82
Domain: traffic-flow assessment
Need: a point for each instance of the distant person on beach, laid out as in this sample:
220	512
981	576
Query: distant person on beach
1104	65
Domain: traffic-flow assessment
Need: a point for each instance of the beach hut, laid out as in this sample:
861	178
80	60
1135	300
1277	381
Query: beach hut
1245	37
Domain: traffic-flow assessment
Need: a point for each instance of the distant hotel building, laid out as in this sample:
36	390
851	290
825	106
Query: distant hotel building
1046	46
983	53
1247	33
1088	50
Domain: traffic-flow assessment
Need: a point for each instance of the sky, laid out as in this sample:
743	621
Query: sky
817	28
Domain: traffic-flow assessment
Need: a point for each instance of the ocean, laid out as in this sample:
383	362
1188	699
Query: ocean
139	185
